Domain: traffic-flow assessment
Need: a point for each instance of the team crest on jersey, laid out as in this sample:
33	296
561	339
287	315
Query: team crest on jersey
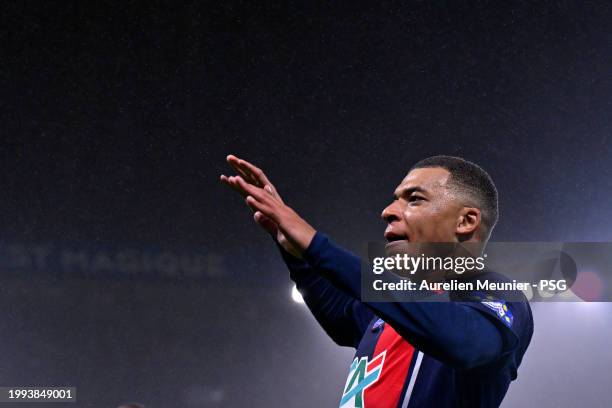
378	324
501	309
362	374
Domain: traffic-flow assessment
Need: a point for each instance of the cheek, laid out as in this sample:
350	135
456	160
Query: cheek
429	224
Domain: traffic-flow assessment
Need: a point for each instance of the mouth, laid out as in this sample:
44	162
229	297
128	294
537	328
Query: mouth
392	237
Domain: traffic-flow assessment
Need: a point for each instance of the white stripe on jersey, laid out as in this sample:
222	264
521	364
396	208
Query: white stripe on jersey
413	377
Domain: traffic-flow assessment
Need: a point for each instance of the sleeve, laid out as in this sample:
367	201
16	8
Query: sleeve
344	318
452	332
514	321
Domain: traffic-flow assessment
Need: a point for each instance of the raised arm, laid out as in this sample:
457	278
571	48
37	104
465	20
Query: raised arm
343	317
456	334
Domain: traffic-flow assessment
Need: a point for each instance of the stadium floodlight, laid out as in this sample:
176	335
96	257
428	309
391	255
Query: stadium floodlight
296	295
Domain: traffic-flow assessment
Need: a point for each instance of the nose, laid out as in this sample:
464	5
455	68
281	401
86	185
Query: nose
391	213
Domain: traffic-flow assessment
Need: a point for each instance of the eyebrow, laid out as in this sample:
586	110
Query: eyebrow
408	190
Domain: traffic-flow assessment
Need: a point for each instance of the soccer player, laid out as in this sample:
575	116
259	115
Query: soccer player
408	354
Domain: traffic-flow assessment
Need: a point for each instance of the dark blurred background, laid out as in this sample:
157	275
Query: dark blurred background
131	273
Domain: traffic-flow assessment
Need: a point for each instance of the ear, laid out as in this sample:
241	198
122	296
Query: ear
469	221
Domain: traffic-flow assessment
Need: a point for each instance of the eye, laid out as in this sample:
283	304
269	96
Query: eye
414	198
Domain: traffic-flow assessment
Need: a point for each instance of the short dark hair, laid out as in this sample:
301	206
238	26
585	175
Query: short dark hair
473	181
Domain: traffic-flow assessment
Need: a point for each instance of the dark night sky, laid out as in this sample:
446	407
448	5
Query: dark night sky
115	121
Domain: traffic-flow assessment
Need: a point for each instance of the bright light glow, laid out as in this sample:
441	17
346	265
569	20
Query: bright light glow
296	295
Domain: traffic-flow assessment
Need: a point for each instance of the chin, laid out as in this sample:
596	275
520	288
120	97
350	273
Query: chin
400	247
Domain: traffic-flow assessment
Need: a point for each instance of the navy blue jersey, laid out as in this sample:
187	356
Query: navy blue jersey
413	354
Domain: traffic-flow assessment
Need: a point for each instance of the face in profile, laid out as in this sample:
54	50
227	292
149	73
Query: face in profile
424	210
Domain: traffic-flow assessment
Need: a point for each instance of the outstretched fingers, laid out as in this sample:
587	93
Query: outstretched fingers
253	174
245	171
249	189
254	171
259	199
231	182
268	211
234	162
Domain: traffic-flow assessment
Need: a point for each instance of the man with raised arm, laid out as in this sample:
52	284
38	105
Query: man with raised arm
408	354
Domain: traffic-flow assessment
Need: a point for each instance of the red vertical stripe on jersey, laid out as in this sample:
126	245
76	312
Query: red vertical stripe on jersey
386	392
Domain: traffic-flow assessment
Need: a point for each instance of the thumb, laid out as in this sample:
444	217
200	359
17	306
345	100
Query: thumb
265	222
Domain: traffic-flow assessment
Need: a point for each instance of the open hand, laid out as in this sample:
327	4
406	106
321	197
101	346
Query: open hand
271	213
